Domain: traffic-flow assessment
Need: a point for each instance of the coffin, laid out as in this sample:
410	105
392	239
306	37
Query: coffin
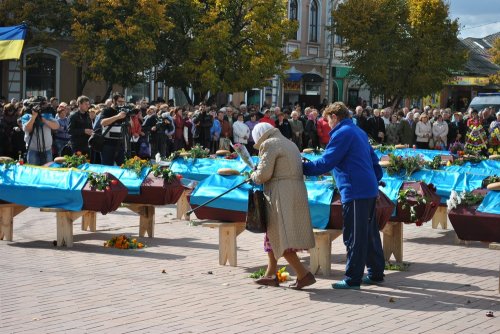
424	212
104	201
473	225
224	215
156	191
384	207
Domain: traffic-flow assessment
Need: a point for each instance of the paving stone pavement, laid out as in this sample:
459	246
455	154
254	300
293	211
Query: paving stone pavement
92	289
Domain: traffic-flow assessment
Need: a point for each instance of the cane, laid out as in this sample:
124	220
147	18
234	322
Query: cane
219	196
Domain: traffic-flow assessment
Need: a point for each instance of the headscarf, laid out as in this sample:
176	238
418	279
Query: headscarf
260	129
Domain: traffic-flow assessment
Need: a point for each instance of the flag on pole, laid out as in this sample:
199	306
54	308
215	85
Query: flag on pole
11	41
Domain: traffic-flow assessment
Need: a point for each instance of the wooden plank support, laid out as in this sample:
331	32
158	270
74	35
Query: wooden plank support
64	219
183	206
321	254
496	245
146	214
393	241
7	214
89	221
440	218
228	232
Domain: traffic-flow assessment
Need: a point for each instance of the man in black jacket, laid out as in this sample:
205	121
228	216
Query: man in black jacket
377	127
80	126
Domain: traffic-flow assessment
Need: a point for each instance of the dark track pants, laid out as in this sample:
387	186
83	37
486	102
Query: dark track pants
362	240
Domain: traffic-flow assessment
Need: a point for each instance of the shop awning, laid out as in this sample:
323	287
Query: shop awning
312	77
294	76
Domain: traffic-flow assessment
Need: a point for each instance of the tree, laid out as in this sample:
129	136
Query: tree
47	20
494	52
400	48
116	41
223	45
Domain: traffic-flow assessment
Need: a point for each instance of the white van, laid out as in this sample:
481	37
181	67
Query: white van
484	100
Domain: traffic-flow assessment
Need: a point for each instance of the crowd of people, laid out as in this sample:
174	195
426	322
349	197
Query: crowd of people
144	129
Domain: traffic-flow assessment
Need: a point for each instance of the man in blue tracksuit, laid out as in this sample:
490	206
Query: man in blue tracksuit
357	173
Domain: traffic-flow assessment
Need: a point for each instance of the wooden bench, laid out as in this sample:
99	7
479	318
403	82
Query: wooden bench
495	245
393	241
64	220
320	255
7	213
228	232
440	218
183	206
146	213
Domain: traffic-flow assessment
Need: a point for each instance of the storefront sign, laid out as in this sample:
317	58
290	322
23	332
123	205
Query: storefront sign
469	81
291	85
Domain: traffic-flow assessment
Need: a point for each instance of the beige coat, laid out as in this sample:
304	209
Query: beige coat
280	170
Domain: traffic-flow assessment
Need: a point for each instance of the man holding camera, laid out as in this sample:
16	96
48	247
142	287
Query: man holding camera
38	124
112	122
80	126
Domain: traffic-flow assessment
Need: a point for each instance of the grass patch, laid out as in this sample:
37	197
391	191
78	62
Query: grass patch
397	266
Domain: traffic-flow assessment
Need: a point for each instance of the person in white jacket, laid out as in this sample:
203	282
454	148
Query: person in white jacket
440	133
241	131
423	130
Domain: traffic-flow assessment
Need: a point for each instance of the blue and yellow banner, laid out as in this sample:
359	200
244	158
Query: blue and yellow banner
12	41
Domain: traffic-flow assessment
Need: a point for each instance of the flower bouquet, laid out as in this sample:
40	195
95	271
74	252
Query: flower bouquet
123	242
456	147
135	164
75	160
242	151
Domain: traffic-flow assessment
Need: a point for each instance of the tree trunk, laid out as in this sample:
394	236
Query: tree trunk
109	88
80	81
395	102
199	97
186	94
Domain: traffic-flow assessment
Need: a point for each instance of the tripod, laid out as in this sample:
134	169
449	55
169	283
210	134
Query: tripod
40	142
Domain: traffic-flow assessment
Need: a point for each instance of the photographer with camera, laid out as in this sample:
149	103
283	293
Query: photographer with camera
80	126
38	124
116	139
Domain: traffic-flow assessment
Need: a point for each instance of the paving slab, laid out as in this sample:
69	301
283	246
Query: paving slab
447	288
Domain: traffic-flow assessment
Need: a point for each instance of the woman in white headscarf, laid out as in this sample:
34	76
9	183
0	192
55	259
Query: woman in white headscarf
288	220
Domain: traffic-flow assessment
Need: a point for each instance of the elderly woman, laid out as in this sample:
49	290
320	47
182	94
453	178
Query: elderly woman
288	219
440	133
297	129
423	130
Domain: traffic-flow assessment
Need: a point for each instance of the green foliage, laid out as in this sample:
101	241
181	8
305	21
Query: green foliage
224	45
116	41
258	274
47	20
400	48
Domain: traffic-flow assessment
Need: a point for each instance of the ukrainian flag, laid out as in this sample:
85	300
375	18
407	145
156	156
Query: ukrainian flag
11	41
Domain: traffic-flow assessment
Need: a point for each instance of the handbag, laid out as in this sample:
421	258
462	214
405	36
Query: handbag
256	221
96	141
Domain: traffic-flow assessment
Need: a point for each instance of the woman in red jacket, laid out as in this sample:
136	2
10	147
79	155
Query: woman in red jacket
323	129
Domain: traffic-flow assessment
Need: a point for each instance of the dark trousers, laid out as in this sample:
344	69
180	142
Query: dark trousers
113	153
362	240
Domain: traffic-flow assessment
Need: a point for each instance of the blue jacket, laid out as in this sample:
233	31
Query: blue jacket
355	166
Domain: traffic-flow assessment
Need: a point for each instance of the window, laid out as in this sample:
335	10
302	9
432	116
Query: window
40	75
294	15
41	72
313	22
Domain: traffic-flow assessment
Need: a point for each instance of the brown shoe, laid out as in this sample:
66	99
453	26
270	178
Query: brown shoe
303	282
268	280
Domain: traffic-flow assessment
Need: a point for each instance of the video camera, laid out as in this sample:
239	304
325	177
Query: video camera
35	104
130	110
